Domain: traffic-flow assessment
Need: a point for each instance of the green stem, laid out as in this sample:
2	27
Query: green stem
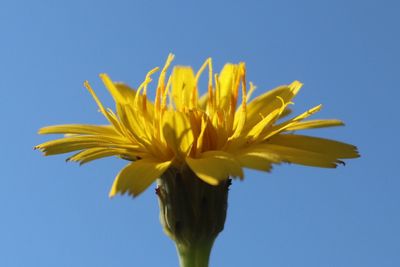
196	255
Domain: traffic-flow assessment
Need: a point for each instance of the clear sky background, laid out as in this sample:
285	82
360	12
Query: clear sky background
345	52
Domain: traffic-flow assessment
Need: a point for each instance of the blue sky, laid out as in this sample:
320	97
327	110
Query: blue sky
345	52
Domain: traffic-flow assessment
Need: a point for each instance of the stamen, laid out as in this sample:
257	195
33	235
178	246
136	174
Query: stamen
143	86
200	139
148	79
166	93
235	88
194	97
211	99
217	90
112	120
210	106
240	116
89	88
221	118
282	101
251	90
161	81
207	62
243	78
210	73
284	105
211	96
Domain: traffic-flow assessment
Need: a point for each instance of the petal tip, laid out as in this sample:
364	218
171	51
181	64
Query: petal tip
112	193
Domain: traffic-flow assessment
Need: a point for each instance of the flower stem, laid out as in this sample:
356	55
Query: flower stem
196	255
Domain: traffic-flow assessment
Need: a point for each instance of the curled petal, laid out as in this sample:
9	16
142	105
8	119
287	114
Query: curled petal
137	176
215	166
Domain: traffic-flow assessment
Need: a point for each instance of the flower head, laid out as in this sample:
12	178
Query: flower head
215	135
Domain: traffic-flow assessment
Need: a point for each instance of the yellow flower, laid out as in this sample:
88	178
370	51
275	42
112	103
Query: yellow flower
216	135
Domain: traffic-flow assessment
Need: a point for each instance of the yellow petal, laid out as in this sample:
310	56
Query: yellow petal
209	137
74	143
286	112
124	98
240	121
202	102
137	124
304	157
215	166
262	125
183	87
292	122
137	176
79	129
91	154
322	146
300	156
255	157
228	83
254	161
129	94
263	105
106	114
315	124
119	96
217	133
177	132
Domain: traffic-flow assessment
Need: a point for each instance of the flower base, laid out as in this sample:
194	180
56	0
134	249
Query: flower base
192	213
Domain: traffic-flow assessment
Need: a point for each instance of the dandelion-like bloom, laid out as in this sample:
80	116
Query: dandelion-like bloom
212	137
